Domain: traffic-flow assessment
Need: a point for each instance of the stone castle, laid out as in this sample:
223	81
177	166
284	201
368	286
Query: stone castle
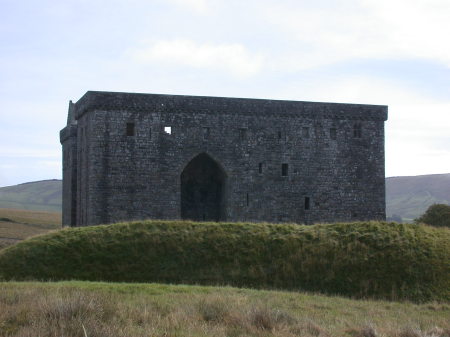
130	156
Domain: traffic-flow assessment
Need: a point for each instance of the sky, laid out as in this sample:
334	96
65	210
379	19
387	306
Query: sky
387	52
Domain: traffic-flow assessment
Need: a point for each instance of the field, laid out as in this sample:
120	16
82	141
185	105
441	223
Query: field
17	225
99	309
72	309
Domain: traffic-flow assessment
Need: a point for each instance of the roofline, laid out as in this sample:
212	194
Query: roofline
106	100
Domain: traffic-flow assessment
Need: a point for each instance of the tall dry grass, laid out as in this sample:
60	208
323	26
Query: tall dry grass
40	310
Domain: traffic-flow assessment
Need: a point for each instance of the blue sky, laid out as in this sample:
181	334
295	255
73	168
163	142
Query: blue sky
390	52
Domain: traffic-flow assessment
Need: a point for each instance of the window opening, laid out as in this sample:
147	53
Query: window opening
333	133
357	131
242	134
168	130
284	170
247	200
260	168
130	129
305	132
279	134
206	133
307	203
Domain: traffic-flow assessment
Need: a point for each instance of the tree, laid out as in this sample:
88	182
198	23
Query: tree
436	215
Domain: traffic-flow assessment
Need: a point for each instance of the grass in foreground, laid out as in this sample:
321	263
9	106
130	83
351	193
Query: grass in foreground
66	309
17	225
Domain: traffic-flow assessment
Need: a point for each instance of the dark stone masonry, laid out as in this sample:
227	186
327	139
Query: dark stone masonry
133	156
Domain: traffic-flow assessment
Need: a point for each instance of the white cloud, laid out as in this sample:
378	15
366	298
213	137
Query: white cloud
233	58
363	29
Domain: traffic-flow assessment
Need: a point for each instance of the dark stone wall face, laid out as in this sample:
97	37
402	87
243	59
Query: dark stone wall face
263	160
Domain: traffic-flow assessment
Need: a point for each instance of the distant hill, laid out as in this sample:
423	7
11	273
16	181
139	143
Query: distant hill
406	197
409	197
42	195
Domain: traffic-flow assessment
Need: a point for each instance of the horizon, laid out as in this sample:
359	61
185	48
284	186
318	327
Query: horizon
356	52
55	179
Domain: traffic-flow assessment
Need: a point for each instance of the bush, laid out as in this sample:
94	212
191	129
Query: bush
436	215
370	259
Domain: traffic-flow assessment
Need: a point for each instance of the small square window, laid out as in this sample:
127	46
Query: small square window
168	130
130	129
284	170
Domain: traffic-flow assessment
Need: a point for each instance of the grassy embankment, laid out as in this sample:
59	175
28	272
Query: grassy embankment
17	225
364	260
79	309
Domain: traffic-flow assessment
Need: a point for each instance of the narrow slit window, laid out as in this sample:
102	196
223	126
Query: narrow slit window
307	203
247	200
206	132
260	168
333	133
242	133
130	129
305	132
357	130
168	130
284	170
279	134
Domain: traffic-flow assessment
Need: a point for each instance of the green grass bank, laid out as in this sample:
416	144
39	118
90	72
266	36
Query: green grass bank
372	259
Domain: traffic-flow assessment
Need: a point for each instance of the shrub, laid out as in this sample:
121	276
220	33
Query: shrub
436	215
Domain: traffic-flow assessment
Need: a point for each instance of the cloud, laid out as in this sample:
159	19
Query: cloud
233	58
373	29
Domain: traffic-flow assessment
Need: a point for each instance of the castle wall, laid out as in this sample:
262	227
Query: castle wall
335	172
69	176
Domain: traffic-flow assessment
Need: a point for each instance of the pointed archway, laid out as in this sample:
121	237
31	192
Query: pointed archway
203	190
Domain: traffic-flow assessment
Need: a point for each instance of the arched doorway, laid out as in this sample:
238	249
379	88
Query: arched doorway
203	190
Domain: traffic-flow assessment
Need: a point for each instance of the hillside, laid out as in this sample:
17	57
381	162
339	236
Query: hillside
17	225
380	260
95	309
409	197
45	195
